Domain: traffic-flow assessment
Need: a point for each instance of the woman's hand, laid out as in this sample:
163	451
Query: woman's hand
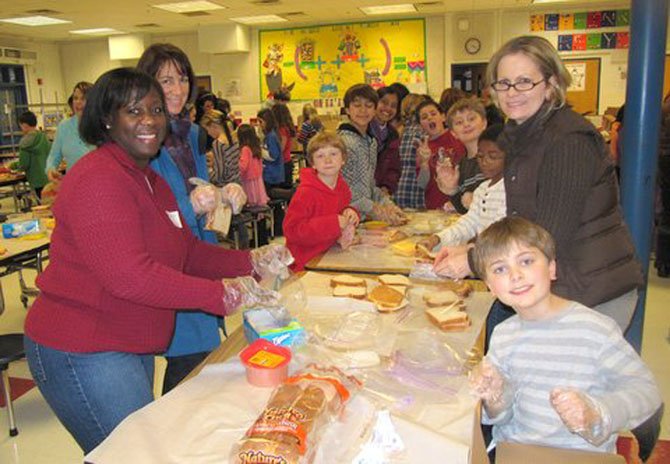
205	198
452	262
245	292
235	195
447	176
271	261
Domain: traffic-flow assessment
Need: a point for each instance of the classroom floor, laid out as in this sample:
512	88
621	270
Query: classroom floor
42	439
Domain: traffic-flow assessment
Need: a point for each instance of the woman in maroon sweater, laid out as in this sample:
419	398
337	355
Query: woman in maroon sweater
122	262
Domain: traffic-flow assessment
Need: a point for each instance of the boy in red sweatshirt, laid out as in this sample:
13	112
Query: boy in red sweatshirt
320	212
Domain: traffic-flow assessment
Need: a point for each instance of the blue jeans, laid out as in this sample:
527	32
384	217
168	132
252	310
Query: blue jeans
91	393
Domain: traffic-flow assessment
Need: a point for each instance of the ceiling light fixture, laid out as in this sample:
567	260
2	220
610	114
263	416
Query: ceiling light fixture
35	21
261	19
189	7
99	31
388	9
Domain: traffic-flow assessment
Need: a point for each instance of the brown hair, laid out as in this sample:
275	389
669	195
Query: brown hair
545	57
363	91
325	139
497	238
83	87
449	97
409	105
466	104
158	55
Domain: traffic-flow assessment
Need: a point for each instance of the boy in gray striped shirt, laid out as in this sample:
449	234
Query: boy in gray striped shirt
557	373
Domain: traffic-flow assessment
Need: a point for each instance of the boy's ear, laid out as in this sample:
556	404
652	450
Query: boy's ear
552	269
490	288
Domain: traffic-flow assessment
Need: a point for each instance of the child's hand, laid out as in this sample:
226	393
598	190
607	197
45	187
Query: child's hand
487	382
579	414
351	216
452	262
448	207
347	237
423	151
447	176
429	242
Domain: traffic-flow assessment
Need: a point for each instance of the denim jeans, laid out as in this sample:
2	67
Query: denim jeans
91	393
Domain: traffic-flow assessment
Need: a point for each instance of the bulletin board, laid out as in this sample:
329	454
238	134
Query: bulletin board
584	93
321	62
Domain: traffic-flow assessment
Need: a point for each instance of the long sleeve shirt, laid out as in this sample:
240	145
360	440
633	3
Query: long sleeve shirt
488	206
580	349
67	145
359	170
122	261
33	151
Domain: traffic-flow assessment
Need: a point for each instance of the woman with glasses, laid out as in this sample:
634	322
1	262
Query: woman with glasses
559	175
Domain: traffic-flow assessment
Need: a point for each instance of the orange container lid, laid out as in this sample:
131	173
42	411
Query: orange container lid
263	354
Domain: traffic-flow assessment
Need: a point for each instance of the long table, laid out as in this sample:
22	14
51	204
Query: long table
203	417
370	259
21	254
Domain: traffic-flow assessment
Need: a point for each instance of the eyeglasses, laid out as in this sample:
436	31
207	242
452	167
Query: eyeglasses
522	85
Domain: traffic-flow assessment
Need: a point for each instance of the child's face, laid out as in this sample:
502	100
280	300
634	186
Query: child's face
361	111
521	278
432	121
387	108
491	159
467	125
327	161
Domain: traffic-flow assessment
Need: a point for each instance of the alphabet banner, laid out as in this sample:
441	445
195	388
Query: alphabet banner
322	62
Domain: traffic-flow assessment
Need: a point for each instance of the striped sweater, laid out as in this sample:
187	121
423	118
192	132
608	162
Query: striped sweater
578	348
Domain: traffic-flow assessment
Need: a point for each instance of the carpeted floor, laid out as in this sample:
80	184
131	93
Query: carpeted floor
18	387
627	447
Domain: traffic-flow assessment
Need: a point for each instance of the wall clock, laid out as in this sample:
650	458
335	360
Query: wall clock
473	45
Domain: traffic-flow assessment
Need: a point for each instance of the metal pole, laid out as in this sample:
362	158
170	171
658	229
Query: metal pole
646	58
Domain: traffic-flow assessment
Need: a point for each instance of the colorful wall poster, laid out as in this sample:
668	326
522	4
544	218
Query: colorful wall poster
579	21
323	61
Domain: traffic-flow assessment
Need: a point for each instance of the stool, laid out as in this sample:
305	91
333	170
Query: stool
239	220
258	214
11	349
278	206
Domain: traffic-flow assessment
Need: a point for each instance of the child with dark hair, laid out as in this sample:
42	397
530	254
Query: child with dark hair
251	166
360	102
387	173
33	152
286	132
273	168
311	125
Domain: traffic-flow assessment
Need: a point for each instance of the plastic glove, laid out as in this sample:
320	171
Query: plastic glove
352	216
204	197
488	383
234	194
581	415
271	261
347	237
452	262
245	292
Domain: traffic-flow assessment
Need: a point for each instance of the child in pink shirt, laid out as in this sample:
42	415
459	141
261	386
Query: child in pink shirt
251	166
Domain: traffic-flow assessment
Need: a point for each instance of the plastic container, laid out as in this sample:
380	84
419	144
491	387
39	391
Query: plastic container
266	363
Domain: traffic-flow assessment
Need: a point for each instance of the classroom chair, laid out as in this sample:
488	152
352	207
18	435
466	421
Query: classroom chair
11	349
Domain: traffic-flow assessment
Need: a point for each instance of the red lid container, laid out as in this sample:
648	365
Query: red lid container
266	363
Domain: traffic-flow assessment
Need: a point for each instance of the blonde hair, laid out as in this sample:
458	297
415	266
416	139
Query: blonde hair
545	57
212	117
325	139
500	236
466	104
308	112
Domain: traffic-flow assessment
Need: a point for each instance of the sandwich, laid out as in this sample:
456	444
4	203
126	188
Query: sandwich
394	279
449	318
463	289
347	280
404	248
350	291
387	298
441	298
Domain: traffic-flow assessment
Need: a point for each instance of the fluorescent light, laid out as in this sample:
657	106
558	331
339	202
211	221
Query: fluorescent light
259	19
97	31
388	9
189	7
35	21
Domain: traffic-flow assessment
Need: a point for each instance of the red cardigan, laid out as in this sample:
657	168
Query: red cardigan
311	225
119	266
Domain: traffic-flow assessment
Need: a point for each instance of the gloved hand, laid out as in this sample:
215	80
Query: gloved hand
234	194
581	414
488	383
204	197
271	261
347	237
245	292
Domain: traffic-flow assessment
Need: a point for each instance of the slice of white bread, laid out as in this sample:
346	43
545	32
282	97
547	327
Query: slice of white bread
396	235
404	248
423	252
394	279
400	288
386	298
441	298
348	280
350	291
448	318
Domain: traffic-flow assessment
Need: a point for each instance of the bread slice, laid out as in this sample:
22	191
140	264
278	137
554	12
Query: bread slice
423	252
448	318
463	289
441	298
386	297
404	248
348	280
397	235
350	291
394	279
400	288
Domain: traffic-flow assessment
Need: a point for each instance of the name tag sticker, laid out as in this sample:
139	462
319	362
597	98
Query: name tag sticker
174	217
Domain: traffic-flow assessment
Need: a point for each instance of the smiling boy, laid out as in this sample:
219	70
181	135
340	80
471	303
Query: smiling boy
557	373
